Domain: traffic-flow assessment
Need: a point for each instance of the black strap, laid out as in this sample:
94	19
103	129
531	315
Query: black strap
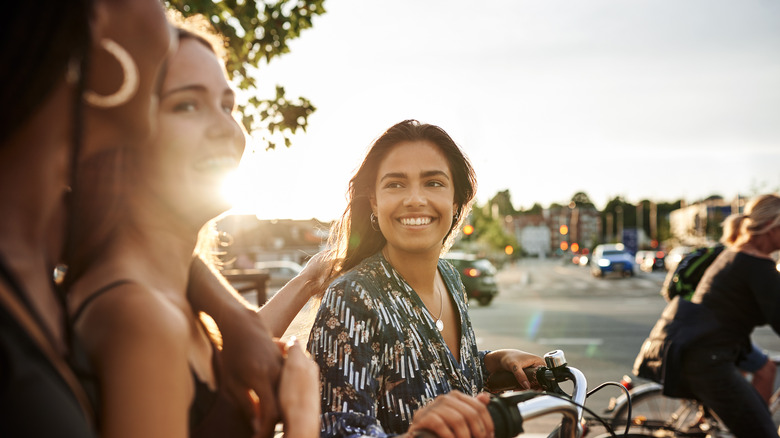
16	303
18	291
95	295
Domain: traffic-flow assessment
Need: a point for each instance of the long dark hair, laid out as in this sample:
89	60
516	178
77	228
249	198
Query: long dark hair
45	43
39	40
352	238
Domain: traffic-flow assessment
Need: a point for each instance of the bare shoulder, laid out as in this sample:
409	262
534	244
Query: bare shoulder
131	315
137	342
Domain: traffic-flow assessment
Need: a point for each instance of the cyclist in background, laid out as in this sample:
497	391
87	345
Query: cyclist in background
683	280
742	289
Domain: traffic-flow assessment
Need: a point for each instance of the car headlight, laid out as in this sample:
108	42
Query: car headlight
604	263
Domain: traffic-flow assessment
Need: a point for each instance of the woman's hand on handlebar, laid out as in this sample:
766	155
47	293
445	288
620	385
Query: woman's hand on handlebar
454	415
514	361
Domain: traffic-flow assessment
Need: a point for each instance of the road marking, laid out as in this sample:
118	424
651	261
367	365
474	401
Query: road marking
570	341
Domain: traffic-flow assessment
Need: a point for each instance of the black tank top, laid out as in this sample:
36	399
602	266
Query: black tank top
35	401
212	413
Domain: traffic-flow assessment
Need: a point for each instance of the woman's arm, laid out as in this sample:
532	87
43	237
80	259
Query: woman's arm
251	359
281	309
764	282
299	393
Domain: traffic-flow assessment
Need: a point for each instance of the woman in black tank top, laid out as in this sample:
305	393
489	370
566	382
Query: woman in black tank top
158	369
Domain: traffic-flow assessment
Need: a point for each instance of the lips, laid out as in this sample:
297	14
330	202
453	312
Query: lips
220	164
416	220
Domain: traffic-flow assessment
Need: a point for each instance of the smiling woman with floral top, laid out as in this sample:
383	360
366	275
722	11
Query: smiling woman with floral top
392	337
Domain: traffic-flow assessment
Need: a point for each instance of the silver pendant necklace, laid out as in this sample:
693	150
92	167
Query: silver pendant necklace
439	322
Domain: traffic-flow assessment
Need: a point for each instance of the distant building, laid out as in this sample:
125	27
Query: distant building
540	235
700	223
532	233
252	240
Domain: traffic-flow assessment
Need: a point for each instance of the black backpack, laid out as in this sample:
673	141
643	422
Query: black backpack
683	280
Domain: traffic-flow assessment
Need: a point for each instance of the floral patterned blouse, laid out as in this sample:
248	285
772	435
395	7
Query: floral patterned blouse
380	355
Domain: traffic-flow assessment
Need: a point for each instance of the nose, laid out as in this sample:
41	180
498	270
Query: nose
415	197
224	127
221	123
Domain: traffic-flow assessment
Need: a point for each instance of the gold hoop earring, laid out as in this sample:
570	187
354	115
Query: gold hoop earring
374	222
129	84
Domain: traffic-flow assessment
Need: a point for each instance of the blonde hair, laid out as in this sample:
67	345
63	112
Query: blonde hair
761	215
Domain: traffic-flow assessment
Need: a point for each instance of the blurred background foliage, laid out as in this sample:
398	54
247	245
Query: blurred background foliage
255	33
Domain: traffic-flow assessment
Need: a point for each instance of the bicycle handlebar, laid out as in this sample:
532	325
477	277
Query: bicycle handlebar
510	410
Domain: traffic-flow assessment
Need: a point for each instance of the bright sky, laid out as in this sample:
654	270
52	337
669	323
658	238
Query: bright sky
646	99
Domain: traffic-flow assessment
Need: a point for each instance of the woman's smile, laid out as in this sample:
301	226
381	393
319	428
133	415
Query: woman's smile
416	221
412	197
219	165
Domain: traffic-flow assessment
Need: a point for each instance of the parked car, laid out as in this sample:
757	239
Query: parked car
279	271
650	260
478	276
611	258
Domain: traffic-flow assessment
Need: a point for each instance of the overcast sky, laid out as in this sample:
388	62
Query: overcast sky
656	99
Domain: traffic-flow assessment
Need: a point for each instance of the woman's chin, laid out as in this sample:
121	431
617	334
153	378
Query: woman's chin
205	211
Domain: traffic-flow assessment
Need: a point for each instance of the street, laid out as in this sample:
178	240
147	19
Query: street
544	305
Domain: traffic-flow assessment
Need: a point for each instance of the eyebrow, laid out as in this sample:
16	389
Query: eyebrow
424	174
194	87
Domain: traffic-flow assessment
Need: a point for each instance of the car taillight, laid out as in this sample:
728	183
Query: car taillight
627	382
472	272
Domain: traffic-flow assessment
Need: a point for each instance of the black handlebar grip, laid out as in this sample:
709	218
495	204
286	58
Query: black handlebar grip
507	421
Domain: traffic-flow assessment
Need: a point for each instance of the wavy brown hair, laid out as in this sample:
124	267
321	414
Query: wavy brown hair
352	238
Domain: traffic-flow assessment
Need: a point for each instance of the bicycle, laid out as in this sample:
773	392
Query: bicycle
660	415
510	410
665	416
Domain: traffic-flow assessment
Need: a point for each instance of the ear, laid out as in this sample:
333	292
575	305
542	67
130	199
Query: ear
372	201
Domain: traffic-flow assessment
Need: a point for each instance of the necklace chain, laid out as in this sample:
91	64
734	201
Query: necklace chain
439	322
436	287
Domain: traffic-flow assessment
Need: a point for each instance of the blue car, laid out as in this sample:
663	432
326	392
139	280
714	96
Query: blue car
611	258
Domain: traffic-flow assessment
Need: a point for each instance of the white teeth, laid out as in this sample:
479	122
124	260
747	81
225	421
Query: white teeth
416	221
217	164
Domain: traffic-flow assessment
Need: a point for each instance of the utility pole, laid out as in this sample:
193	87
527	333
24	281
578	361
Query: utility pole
640	220
653	220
